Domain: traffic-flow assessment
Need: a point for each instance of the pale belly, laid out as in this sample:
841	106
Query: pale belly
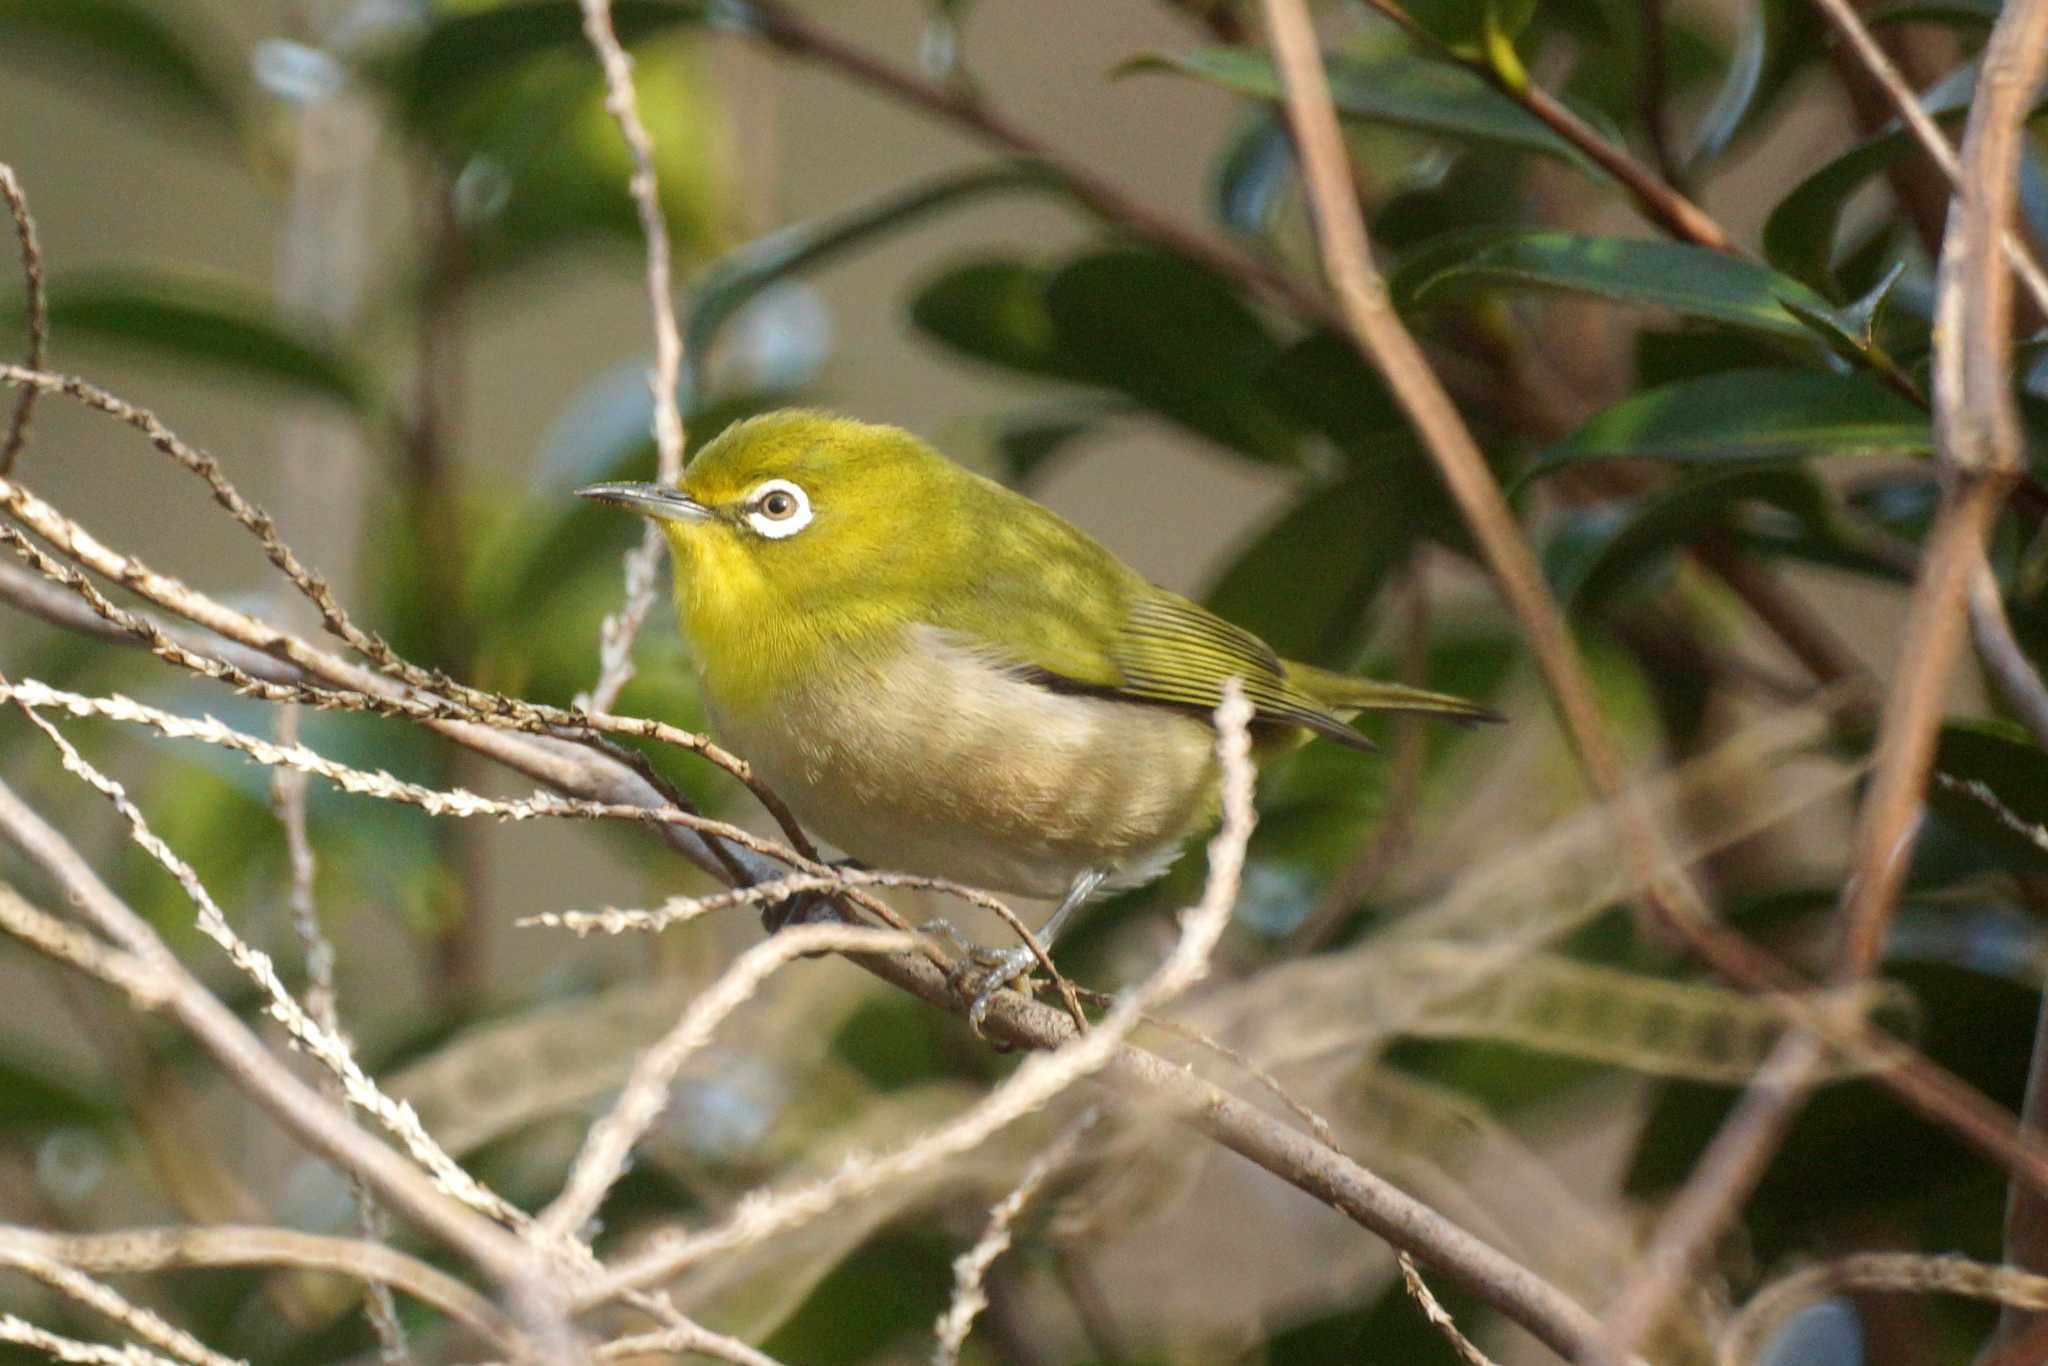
935	762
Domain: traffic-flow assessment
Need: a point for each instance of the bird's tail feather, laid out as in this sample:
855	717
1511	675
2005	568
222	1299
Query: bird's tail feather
1347	693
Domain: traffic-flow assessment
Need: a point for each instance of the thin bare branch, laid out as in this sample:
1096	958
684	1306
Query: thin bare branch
1979	448
1880	67
20	1255
302	1110
288	796
610	1142
25	1334
1433	1310
970	1268
131	1251
35	306
621	628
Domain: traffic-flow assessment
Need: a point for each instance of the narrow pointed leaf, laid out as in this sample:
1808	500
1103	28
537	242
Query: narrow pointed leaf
1689	280
1749	415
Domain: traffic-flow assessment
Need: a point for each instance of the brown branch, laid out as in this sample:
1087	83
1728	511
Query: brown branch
1979	448
37	309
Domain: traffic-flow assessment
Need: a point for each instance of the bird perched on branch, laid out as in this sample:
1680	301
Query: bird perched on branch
942	677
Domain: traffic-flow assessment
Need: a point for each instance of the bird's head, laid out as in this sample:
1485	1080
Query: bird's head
800	514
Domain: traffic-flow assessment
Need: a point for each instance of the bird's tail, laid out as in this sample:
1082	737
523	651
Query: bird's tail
1346	693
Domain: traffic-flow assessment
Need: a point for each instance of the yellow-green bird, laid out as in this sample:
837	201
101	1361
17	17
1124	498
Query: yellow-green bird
942	677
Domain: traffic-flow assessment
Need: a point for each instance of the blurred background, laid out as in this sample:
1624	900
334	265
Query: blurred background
377	257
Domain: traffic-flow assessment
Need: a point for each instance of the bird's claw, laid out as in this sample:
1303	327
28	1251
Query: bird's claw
999	968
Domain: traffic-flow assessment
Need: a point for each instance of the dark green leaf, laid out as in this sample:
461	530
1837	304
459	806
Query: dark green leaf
994	311
1690	280
1799	236
1306	582
1463	24
206	321
1394	89
1175	338
1749	415
729	282
1606	545
1325	386
132	48
1151	327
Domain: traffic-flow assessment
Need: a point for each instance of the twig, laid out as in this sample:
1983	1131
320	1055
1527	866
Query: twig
325	1046
610	1141
970	1268
2026	1212
1879	66
288	795
1433	1310
682	1339
1038	1080
616	650
2012	673
301	1109
1661	201
25	1334
37	311
104	1299
224	1245
1979	445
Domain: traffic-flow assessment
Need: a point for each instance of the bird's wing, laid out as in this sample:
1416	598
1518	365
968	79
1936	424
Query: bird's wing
1130	640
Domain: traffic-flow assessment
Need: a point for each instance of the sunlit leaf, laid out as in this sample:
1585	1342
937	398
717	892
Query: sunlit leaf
1393	88
1693	281
1749	415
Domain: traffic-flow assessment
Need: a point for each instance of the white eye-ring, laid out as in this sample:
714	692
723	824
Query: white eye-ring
778	508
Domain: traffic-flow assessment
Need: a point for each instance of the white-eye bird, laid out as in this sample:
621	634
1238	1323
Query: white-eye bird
942	677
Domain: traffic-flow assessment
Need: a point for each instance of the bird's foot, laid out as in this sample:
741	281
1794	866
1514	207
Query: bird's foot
982	971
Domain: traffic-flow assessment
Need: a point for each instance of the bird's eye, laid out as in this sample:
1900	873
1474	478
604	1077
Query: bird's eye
778	508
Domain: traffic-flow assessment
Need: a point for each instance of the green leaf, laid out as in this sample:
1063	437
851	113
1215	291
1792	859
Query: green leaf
1605	546
208	321
1306	582
1800	234
1748	415
1394	89
731	281
133	51
1690	280
1176	339
994	311
1151	327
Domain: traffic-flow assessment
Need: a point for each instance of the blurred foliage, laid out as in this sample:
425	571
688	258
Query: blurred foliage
1769	404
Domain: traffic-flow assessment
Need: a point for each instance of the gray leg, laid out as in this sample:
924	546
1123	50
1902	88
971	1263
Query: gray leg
1005	966
805	908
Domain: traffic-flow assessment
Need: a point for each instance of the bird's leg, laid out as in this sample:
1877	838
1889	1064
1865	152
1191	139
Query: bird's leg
805	908
1004	966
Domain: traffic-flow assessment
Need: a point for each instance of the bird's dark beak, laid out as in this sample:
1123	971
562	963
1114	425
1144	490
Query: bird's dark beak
658	501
